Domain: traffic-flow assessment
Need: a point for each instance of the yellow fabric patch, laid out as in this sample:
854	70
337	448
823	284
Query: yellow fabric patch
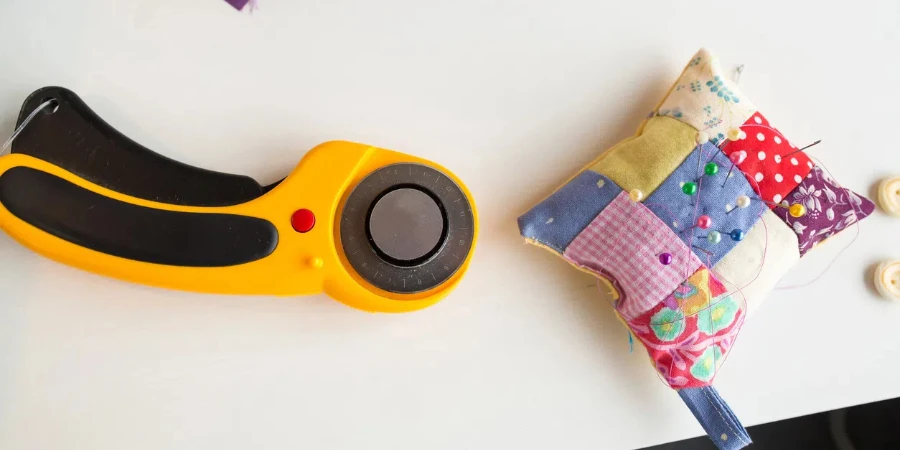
700	300
643	162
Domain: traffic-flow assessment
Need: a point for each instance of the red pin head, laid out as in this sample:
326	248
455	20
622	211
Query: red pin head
738	157
704	222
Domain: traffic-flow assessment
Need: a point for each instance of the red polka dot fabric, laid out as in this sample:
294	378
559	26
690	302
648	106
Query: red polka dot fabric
768	163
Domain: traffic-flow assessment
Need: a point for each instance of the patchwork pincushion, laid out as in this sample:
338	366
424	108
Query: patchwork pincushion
692	222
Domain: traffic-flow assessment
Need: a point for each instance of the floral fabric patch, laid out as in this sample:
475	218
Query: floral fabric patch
693	294
688	335
704	98
688	213
829	209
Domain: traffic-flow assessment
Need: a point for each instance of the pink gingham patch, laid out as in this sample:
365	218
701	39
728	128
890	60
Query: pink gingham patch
625	241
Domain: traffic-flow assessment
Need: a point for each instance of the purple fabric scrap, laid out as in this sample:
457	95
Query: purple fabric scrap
829	209
238	4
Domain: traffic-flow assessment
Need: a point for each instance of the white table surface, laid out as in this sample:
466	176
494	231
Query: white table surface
514	96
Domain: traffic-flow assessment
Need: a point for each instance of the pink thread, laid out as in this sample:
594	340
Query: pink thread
689	244
740	290
709	266
838	255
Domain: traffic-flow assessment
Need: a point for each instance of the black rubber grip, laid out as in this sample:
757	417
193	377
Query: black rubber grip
75	138
134	232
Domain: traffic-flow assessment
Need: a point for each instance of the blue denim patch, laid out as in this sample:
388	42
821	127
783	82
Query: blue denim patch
680	211
716	418
557	220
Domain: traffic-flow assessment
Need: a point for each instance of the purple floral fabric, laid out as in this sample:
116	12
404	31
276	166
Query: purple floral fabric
239	4
829	209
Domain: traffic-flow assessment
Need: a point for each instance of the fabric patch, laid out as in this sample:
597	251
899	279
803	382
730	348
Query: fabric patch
772	173
693	294
758	262
716	197
717	419
625	241
829	209
685	313
558	219
644	161
688	341
705	99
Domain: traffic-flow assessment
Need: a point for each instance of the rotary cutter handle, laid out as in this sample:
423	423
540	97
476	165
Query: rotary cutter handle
376	229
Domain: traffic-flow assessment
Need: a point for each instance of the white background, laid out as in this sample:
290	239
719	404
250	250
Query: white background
514	96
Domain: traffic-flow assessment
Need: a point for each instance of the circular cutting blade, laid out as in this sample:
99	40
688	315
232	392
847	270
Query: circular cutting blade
407	228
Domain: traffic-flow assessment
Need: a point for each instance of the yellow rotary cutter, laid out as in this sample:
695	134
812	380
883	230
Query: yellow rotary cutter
376	229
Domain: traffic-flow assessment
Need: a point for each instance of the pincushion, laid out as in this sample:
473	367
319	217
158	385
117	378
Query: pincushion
692	222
